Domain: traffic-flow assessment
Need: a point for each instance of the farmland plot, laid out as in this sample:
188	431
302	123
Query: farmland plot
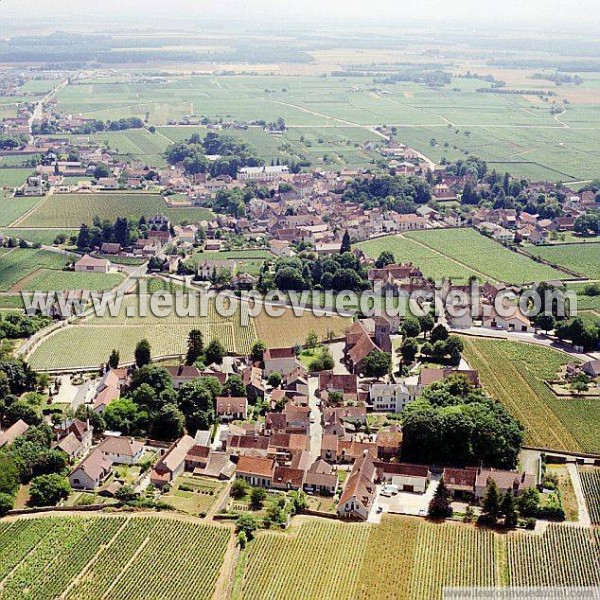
590	480
433	264
306	563
89	343
581	258
514	373
94	558
18	263
71	210
562	556
14	207
486	256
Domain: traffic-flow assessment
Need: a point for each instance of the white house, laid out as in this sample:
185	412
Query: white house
515	321
122	450
281	360
89	264
359	492
262	173
92	472
389	397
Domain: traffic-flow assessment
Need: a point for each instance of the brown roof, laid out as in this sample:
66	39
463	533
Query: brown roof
361	349
329	442
94	464
271	353
13	432
124	446
506	480
90	261
360	482
346	383
69	444
276	421
227	405
198	452
184	372
460	478
256	442
176	454
253	465
403	469
284	476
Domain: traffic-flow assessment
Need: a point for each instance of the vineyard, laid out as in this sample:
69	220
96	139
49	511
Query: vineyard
17	264
12	208
89	343
321	560
432	264
71	210
514	373
290	329
405	558
563	556
94	558
590	480
485	256
580	258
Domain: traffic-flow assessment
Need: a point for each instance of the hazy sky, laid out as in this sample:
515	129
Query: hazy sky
561	12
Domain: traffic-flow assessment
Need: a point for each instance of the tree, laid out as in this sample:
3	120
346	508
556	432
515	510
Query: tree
214	353
528	502
275	379
125	416
143	355
411	328
439	332
312	340
246	523
167	424
195	346
9	476
258	496
113	359
239	489
242	539
508	509
258	350
48	490
377	364
409	350
491	503
427	323
439	507
545	322
7	503
385	258
346	243
580	387
234	387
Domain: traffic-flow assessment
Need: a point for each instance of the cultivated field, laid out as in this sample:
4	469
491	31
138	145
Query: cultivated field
18	264
514	373
12	208
563	556
580	258
432	264
95	558
410	559
288	330
515	133
71	210
485	256
590	480
45	280
37	236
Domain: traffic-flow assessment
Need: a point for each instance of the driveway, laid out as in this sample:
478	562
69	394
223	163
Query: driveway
405	503
583	514
337	351
316	428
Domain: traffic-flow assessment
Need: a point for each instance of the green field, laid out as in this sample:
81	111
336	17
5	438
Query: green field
432	264
45	280
485	256
514	133
12	178
580	258
18	263
71	210
89	343
12	208
410	559
403	558
114	557
38	236
514	373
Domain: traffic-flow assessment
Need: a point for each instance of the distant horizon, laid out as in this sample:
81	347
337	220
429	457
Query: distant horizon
551	15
